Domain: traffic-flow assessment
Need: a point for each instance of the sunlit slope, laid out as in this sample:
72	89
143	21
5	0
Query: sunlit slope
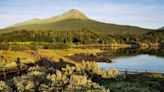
73	20
75	24
72	14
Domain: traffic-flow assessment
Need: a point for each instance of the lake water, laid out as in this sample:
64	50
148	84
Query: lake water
151	60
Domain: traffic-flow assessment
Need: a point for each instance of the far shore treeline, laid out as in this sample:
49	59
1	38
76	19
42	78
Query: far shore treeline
84	37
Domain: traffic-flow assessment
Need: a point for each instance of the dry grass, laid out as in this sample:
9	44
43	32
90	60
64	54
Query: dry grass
71	51
51	54
7	57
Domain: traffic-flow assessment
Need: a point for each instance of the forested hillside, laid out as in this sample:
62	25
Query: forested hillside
82	36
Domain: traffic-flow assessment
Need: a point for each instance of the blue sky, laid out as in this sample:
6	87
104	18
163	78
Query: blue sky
143	13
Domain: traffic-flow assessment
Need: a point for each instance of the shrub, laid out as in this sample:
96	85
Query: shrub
36	68
11	65
113	73
78	80
58	77
44	87
4	87
65	79
36	73
29	86
68	69
20	84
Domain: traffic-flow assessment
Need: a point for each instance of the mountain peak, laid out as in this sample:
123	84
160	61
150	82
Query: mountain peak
71	14
74	14
74	11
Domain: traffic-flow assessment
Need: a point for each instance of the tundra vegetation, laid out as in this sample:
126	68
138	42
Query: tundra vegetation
78	77
71	75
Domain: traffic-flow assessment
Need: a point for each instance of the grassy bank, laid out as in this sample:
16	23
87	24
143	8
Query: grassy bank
144	82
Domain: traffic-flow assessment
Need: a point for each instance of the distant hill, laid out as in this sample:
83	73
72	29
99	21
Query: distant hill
162	28
74	20
72	14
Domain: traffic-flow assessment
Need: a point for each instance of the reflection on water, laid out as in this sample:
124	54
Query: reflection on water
141	59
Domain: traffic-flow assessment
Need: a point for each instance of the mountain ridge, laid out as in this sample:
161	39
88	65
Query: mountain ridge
74	20
161	28
71	14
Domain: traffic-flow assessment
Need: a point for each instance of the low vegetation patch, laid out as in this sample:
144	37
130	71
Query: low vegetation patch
70	78
144	82
8	58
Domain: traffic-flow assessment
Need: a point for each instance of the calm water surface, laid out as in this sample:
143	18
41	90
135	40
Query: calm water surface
152	60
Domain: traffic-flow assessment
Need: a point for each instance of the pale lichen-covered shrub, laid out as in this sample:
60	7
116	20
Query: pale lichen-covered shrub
82	82
23	85
68	69
36	68
29	86
19	82
57	81
92	67
70	77
3	87
36	73
11	65
31	80
44	87
104	74
78	80
73	81
58	78
113	73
